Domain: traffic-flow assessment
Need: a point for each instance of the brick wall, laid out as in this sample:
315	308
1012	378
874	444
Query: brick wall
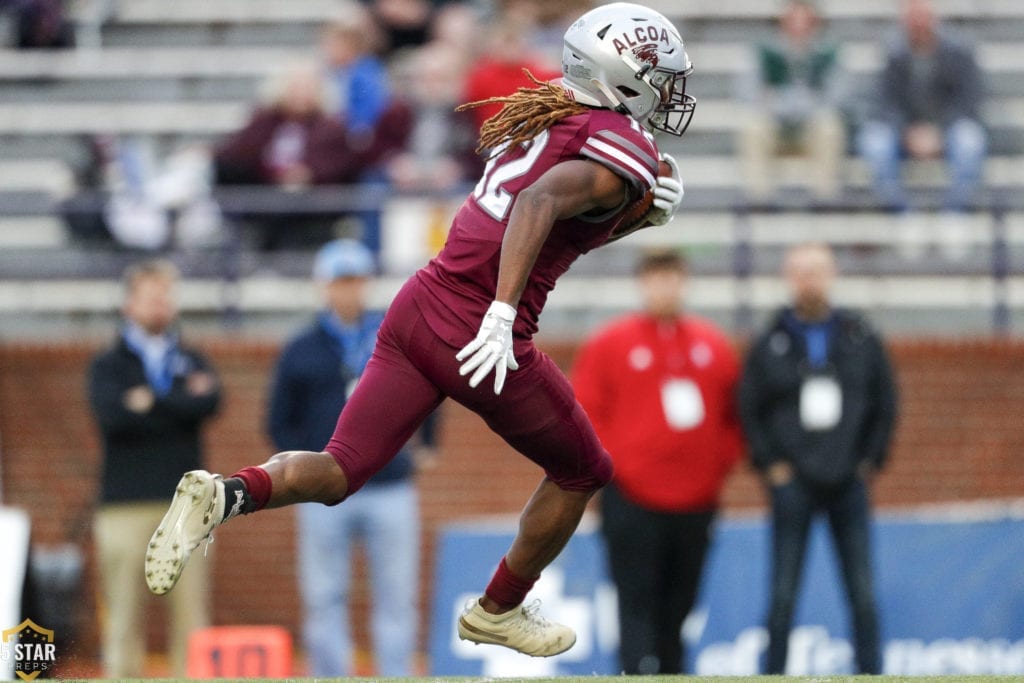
960	437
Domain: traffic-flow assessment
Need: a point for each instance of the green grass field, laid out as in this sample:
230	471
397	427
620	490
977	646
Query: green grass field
701	679
655	679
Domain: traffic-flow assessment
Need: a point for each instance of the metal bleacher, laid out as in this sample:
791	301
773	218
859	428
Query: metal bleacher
190	70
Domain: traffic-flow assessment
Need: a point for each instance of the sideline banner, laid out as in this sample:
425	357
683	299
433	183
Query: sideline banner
949	583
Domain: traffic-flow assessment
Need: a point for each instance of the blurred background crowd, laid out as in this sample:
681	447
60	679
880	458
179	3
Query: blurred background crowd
234	139
239	137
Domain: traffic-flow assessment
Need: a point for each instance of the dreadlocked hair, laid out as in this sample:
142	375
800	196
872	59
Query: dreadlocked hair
526	113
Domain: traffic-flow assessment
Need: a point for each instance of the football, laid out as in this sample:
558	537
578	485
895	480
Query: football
633	216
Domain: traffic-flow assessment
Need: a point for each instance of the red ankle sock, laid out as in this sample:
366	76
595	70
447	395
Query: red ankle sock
257	483
507	589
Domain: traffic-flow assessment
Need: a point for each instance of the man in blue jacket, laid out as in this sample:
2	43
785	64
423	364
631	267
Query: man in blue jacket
315	375
818	403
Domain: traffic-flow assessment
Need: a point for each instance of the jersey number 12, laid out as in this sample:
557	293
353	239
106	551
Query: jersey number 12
489	193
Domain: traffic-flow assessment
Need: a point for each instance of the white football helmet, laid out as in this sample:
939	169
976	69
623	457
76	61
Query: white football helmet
631	59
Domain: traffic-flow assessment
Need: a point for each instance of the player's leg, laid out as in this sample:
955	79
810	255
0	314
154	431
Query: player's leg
540	417
545	525
499	616
391	400
203	501
537	414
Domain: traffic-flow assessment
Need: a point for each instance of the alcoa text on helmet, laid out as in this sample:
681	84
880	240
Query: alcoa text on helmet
631	59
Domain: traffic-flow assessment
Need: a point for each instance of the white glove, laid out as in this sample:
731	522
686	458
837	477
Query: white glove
492	347
668	194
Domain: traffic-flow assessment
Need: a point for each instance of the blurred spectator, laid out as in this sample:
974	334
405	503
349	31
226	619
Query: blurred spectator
86	225
151	202
378	123
499	71
794	91
458	24
548	22
360	77
406	23
291	144
151	395
40	23
441	152
315	376
818	405
929	101
660	388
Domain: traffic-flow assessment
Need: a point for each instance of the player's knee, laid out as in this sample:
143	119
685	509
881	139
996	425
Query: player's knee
595	473
602	470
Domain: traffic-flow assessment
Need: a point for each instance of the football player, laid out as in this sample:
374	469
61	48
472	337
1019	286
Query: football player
567	160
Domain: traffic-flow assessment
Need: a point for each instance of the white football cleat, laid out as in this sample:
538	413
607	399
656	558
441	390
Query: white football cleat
197	507
521	629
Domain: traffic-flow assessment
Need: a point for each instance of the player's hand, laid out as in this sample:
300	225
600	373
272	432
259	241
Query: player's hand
492	347
668	194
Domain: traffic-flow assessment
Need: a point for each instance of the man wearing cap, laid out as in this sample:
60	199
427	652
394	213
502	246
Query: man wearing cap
315	375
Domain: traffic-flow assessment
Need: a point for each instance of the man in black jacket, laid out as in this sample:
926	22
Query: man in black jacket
818	404
150	396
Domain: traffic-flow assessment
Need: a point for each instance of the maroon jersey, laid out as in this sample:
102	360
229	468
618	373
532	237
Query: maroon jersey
459	284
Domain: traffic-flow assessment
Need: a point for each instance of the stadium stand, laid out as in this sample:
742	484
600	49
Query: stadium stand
188	71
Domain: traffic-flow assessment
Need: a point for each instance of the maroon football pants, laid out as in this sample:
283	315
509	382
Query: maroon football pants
412	370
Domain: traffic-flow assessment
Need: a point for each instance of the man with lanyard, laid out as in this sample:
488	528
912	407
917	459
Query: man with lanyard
818	405
659	386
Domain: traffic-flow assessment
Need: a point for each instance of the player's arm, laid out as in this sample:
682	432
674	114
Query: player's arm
566	190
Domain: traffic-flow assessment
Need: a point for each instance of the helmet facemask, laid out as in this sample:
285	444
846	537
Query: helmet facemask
674	108
674	113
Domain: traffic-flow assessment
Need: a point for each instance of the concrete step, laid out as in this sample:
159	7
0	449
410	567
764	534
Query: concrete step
713	58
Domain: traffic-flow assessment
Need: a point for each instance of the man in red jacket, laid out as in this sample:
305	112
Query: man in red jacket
659	388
